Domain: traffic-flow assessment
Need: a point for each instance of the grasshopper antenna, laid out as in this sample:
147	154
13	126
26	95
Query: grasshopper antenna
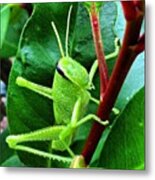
58	39
67	29
67	34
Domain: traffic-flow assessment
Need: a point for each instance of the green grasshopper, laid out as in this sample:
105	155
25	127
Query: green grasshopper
70	95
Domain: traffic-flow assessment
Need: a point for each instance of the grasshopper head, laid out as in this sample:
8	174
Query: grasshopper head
74	72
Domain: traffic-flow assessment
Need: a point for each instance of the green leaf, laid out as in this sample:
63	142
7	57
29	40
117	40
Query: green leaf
120	22
13	161
5	151
133	82
4	21
7	156
17	19
124	147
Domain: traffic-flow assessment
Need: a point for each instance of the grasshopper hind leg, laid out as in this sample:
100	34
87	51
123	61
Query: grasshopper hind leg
42	90
47	134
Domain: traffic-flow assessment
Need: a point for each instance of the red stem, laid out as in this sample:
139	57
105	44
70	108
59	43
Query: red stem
129	10
140	4
103	69
123	63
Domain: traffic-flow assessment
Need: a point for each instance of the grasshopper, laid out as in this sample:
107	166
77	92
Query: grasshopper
70	95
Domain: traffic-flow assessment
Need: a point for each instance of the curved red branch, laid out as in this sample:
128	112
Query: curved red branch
129	10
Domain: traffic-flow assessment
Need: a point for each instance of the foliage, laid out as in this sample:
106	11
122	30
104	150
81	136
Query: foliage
36	60
13	19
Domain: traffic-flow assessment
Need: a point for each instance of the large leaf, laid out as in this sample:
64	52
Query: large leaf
4	21
5	151
133	82
12	24
120	23
7	155
13	161
124	147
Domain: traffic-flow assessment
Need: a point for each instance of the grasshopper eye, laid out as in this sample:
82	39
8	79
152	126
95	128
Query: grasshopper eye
60	71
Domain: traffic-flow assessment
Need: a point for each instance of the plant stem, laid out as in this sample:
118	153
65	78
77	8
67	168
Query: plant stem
103	69
124	61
